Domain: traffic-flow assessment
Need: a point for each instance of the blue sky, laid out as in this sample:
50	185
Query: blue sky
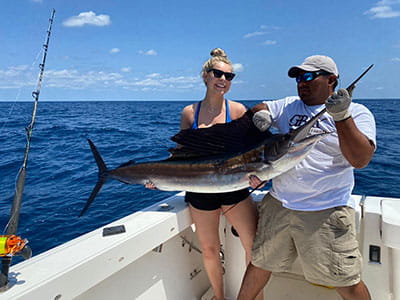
154	50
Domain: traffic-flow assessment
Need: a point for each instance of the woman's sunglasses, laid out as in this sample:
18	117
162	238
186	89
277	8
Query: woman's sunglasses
218	74
310	76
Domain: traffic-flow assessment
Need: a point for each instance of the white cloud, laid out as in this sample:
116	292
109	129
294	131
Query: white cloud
269	42
114	50
148	82
22	76
388	2
15	71
252	34
264	30
396	59
158	81
181	79
150	52
154	75
19	68
126	70
73	79
87	18
270	27
63	73
237	67
37	1
383	10
17	77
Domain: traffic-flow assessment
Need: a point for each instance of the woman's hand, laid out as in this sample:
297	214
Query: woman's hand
254	182
150	185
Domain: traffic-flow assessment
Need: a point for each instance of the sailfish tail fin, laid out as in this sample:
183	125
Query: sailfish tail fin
103	176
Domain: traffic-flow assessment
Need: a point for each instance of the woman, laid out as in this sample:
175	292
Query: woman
205	209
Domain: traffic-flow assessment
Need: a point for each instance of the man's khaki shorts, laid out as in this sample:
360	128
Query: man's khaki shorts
324	240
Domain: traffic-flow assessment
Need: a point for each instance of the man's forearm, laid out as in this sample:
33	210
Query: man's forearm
355	146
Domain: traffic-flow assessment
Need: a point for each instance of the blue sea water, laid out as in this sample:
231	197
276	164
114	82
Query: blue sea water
62	172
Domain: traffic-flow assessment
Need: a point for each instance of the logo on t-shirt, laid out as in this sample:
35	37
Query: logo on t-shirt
299	120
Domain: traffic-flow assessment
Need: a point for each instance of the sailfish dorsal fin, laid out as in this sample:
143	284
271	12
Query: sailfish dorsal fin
220	139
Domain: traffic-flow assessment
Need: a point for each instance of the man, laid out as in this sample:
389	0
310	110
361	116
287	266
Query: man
309	211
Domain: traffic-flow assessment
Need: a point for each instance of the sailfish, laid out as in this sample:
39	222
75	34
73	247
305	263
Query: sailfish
216	159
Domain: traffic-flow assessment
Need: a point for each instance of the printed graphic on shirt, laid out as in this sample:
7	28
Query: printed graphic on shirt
298	120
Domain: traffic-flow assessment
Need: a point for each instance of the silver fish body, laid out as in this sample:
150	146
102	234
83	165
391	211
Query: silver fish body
225	172
214	176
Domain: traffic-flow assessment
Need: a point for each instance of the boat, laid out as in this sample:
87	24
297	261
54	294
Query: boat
154	254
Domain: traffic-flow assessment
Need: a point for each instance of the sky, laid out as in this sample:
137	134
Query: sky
154	50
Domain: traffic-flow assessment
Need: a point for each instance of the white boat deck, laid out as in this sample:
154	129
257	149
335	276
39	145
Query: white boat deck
158	258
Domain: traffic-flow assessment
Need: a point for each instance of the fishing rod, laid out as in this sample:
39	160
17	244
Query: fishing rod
352	85
10	244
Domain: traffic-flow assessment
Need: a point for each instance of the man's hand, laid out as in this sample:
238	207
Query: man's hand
255	182
337	105
262	120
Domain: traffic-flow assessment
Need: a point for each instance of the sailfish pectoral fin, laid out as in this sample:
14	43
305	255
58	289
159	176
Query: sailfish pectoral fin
103	176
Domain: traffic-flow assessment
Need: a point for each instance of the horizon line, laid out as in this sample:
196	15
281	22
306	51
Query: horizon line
163	100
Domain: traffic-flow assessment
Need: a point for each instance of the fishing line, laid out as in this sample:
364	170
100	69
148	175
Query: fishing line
17	97
256	188
12	226
12	216
34	64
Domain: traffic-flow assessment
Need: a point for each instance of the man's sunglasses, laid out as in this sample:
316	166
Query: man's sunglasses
218	74
310	76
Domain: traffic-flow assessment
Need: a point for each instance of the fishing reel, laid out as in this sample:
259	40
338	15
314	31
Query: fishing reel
12	245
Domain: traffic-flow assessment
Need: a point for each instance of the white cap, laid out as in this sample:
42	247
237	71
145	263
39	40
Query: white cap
315	63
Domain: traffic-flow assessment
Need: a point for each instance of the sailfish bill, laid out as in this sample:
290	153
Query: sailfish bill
216	159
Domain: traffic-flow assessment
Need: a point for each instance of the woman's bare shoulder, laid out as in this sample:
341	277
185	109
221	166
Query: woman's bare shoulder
189	108
237	109
187	115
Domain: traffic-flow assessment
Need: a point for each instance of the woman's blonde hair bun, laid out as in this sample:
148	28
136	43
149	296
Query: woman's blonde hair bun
217	55
218	52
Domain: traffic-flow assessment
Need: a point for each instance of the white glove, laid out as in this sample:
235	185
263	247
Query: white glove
337	105
262	120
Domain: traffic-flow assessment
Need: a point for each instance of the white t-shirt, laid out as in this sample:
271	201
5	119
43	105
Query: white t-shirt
324	179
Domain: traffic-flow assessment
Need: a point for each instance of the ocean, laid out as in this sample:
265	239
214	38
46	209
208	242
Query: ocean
62	172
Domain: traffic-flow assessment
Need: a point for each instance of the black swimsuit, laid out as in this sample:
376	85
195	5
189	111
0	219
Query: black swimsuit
213	201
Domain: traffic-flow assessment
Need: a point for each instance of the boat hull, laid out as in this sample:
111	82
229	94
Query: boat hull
158	257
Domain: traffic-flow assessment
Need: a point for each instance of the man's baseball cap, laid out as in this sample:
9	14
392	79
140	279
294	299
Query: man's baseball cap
315	63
